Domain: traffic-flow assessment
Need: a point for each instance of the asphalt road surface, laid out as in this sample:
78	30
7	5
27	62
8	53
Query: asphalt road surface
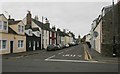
70	59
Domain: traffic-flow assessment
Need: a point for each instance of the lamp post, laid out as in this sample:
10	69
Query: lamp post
113	23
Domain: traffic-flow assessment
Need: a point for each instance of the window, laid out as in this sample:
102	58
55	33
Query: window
29	44
38	44
22	28
29	32
20	43
0	44
5	25
19	28
38	33
0	24
4	44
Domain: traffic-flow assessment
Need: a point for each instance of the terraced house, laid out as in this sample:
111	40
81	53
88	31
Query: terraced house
33	33
12	36
105	33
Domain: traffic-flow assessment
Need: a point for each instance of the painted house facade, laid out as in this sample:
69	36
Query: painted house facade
105	30
44	30
52	36
12	36
33	33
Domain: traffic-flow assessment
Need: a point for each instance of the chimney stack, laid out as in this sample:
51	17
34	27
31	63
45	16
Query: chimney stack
36	18
29	19
53	28
47	23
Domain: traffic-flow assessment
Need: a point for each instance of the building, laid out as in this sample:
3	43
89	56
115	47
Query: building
12	36
33	33
52	36
58	36
105	33
44	30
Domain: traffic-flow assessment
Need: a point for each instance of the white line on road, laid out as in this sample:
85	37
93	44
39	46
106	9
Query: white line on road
79	55
50	57
60	60
60	52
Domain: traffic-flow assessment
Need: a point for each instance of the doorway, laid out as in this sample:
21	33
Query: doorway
11	46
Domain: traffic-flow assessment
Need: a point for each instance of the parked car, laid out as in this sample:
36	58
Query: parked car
51	47
66	45
58	46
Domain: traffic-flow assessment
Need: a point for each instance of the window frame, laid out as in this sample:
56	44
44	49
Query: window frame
5	25
20	45
1	25
1	46
38	44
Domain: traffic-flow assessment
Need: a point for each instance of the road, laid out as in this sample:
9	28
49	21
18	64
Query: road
66	60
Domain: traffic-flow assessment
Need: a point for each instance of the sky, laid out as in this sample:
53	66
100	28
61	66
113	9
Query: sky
74	16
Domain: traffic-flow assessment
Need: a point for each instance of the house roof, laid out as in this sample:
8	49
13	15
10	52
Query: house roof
11	31
13	22
42	25
35	29
3	15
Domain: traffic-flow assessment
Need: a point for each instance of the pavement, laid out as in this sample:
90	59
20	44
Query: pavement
21	54
98	57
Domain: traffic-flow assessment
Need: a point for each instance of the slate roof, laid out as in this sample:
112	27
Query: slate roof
42	25
12	21
35	29
11	31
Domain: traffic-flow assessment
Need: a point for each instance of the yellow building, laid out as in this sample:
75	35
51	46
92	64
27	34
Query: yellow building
12	36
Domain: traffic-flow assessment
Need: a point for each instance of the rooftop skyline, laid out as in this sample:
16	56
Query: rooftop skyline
74	16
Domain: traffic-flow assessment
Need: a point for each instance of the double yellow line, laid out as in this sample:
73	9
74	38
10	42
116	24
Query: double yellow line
87	55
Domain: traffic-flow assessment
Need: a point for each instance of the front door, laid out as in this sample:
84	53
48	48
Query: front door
11	46
33	45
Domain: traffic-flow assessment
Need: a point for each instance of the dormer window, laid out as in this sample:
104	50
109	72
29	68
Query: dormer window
20	29
5	25
38	33
30	32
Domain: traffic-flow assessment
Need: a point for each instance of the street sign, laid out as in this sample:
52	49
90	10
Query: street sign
95	34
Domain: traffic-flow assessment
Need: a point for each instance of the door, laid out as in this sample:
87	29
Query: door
11	46
34	45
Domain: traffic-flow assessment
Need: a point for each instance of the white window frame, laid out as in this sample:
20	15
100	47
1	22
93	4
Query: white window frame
4	25
22	29
2	44
30	44
21	44
1	25
19	28
37	43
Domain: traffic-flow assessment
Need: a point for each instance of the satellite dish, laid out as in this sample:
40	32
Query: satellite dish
95	34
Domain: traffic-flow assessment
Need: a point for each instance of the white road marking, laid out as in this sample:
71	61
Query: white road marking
50	57
79	55
71	55
67	55
74	55
60	60
60	52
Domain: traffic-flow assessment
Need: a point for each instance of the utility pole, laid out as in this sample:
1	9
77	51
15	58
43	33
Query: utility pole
113	23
